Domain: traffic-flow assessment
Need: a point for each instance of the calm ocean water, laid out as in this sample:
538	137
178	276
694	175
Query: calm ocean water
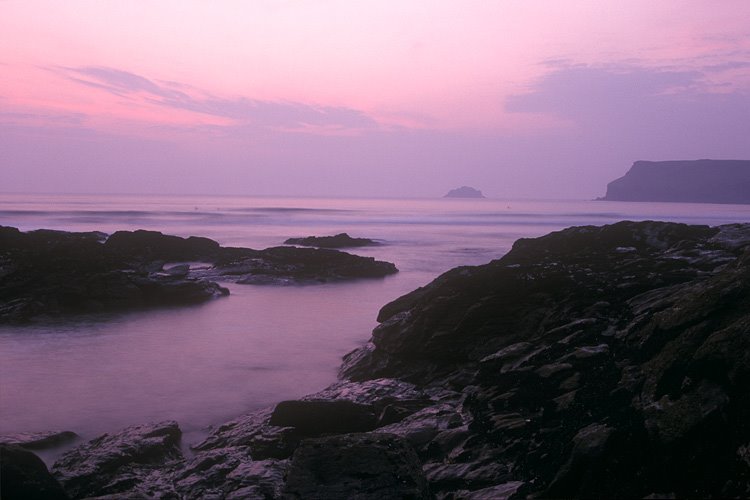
205	364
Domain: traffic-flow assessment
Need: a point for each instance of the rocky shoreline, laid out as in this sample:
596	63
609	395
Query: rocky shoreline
341	240
592	362
47	273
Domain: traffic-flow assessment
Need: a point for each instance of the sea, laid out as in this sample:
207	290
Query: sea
205	364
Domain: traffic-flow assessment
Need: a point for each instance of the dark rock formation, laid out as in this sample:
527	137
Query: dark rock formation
129	460
341	240
366	466
592	362
152	246
23	476
313	418
586	358
291	265
47	273
39	440
464	192
698	181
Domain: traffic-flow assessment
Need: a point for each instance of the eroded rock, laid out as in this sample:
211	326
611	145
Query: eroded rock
115	463
366	466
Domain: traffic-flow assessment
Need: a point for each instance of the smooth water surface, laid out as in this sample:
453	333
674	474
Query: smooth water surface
204	364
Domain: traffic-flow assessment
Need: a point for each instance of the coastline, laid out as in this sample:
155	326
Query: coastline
436	392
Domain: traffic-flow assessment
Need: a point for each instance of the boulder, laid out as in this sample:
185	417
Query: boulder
313	418
23	476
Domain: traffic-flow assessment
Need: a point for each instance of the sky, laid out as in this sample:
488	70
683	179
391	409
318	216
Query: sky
527	99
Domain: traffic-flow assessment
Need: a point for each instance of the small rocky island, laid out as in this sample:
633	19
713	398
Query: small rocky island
698	181
464	192
49	273
341	240
593	362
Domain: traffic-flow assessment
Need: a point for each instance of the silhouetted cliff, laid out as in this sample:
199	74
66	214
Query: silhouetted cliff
697	181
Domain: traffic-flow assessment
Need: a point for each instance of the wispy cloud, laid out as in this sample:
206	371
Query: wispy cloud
570	90
643	111
40	118
242	111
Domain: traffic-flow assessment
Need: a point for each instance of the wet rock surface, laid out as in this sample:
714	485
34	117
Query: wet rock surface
47	273
341	240
39	440
592	362
131	458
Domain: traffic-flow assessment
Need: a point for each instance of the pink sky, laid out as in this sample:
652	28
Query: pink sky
382	98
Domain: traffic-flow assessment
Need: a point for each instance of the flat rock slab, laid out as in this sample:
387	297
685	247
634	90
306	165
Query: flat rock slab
39	440
362	466
341	240
313	418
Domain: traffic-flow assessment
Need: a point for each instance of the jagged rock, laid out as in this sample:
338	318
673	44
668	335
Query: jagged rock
119	462
23	476
697	181
364	466
422	427
264	440
341	240
230	473
589	357
256	433
39	440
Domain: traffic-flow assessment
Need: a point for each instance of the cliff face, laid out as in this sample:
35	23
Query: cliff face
699	181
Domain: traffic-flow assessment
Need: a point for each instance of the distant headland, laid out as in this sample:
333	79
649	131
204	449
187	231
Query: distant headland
690	181
464	192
